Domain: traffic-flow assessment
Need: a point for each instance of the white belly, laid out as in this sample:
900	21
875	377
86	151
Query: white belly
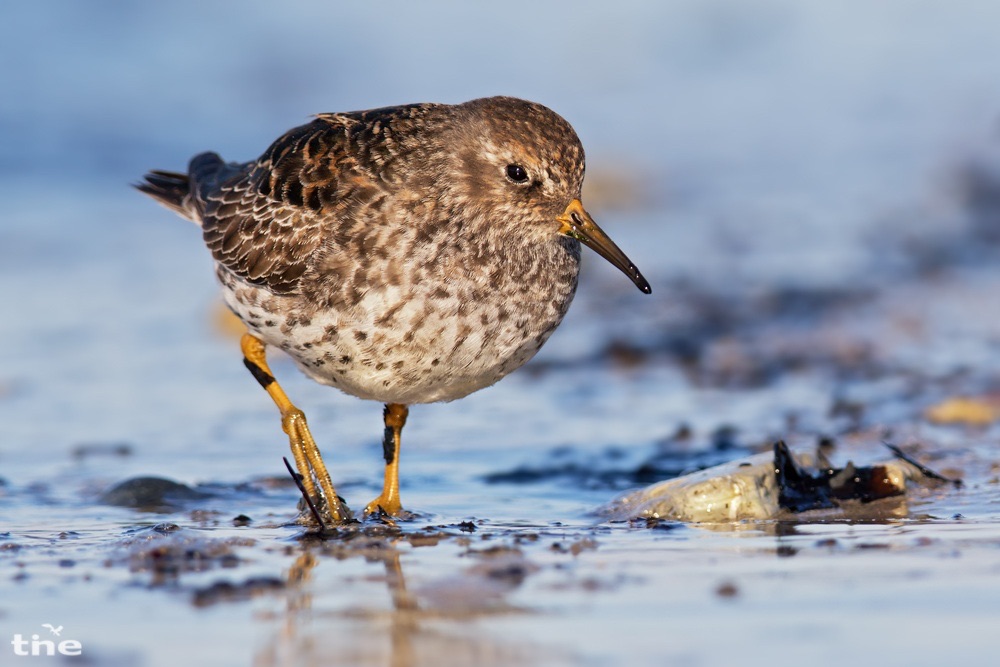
394	351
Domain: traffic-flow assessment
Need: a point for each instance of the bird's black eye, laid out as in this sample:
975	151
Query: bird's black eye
517	173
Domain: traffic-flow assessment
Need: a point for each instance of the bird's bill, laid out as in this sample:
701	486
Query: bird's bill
576	223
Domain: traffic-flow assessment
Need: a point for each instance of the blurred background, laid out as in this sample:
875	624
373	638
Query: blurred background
775	159
811	188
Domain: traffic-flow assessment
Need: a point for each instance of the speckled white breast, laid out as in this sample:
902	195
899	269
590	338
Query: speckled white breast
433	343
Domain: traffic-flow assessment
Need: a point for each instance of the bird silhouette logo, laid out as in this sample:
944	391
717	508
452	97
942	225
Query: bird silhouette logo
53	630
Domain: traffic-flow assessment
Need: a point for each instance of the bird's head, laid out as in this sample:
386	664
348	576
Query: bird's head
520	161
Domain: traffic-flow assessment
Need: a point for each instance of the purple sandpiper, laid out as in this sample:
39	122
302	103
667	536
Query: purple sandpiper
407	254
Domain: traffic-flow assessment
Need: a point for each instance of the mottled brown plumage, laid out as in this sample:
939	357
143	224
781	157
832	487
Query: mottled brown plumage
408	254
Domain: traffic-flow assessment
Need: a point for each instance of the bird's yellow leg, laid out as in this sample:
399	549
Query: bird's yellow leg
293	422
388	501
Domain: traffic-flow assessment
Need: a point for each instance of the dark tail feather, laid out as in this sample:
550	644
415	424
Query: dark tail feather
169	188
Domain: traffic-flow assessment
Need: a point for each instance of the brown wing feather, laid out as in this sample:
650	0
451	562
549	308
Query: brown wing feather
265	220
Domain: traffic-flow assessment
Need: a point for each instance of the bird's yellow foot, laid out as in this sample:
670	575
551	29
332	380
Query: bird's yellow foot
388	501
304	449
312	469
383	506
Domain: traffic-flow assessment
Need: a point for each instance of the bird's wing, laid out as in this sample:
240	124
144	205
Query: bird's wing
263	220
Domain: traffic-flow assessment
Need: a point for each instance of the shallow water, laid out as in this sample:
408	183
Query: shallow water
799	195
